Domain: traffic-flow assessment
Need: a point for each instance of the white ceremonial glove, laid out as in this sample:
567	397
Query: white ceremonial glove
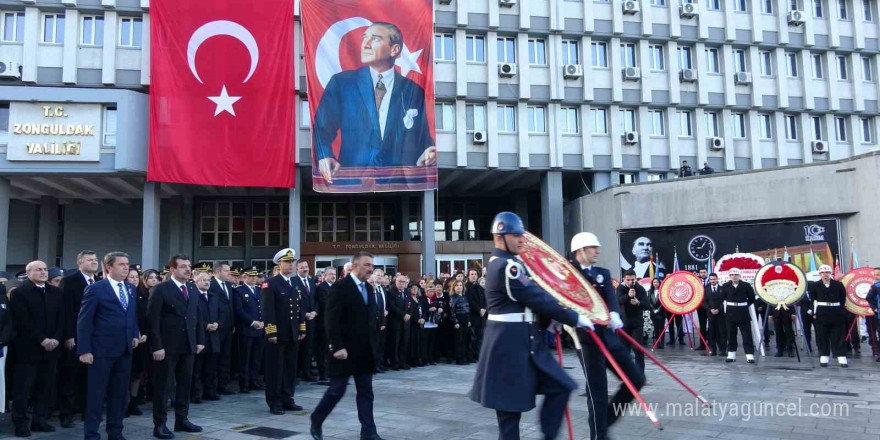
616	323
585	322
554	327
809	311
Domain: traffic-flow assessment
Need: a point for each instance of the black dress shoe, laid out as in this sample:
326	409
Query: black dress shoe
196	400
324	378
405	367
22	432
316	433
292	407
778	354
161	431
43	426
257	386
244	390
276	411
823	365
212	397
186	426
224	391
133	409
713	353
66	421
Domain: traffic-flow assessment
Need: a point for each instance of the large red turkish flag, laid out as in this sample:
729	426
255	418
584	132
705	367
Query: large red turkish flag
222	94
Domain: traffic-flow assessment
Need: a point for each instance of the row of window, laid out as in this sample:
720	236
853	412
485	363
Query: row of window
569	118
91	29
628	53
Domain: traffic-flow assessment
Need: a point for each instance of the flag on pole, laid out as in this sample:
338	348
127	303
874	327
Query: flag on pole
651	267
813	266
837	273
854	259
785	256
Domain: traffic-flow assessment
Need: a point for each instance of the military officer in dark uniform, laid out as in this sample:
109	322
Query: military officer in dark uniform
738	298
714	301
249	327
515	363
285	326
585	248
829	317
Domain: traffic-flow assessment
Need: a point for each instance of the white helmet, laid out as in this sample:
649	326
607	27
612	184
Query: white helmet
584	239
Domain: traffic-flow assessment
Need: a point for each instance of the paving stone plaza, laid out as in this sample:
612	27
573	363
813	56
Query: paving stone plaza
431	404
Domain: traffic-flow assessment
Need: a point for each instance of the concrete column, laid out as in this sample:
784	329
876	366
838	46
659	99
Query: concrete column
151	221
429	245
521	208
294	221
404	218
4	221
552	227
47	230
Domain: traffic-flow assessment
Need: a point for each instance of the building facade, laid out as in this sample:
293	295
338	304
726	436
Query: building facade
538	102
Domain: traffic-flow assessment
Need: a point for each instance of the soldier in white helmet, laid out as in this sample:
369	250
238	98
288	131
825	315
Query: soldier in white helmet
738	297
829	317
585	248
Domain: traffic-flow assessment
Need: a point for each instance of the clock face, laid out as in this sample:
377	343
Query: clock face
701	247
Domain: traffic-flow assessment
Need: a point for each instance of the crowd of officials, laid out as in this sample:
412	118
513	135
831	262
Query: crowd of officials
70	336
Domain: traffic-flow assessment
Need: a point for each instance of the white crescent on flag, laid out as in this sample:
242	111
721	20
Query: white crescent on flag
327	54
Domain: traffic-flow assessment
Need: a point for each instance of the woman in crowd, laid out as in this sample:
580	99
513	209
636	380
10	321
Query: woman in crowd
461	318
141	358
445	346
417	320
432	320
658	313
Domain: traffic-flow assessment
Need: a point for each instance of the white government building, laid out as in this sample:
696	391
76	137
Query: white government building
539	102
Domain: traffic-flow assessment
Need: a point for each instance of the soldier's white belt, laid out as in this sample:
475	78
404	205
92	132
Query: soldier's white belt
526	316
728	303
827	304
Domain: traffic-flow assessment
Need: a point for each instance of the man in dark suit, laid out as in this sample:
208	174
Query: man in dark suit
351	325
476	297
397	317
633	300
702	317
38	316
321	295
381	318
107	331
204	377
175	338
72	371
379	113
249	327
285	321
714	302
222	288
305	285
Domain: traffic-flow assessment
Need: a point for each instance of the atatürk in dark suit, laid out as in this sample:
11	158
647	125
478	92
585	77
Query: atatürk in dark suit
175	328
226	316
37	314
72	372
106	329
351	325
348	106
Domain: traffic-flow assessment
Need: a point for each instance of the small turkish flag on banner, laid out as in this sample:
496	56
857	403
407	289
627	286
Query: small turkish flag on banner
222	94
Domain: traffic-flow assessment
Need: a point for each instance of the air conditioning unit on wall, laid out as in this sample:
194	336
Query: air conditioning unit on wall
572	71
687	10
716	143
631	137
632	73
8	69
480	137
819	147
630	7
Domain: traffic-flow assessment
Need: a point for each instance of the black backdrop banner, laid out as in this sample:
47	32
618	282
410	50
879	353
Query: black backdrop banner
697	245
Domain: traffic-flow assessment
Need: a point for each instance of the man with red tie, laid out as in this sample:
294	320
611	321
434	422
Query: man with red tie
172	313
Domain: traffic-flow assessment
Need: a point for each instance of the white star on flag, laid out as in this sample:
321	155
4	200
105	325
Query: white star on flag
408	61
224	102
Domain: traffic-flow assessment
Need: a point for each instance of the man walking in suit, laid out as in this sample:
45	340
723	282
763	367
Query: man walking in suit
306	286
107	331
175	338
249	326
38	316
385	112
285	325
321	296
222	288
351	324
72	372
